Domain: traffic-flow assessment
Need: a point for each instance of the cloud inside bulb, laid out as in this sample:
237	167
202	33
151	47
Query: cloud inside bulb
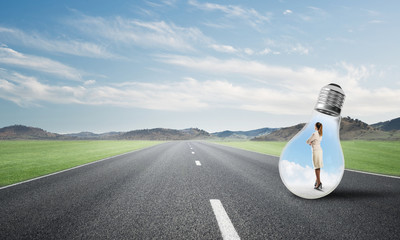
297	176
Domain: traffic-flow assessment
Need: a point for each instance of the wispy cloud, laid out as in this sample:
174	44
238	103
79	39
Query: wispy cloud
318	11
161	3
67	46
272	73
11	57
286	45
375	21
312	14
217	25
130	32
154	35
250	15
371	13
233	50
224	48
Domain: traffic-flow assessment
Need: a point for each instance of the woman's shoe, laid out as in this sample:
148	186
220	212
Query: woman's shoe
315	184
319	187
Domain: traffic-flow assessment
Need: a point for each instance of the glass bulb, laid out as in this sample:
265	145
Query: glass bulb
296	162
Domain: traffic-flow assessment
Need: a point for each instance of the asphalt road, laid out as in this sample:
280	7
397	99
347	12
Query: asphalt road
162	193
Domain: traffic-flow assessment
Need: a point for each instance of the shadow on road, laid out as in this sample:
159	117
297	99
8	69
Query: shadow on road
356	194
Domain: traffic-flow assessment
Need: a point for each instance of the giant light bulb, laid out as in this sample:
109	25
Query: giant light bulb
295	164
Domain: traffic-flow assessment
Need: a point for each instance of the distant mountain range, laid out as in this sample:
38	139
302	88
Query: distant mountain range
17	132
350	129
164	134
244	134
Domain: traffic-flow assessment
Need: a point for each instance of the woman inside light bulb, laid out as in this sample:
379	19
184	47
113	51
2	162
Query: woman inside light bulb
315	142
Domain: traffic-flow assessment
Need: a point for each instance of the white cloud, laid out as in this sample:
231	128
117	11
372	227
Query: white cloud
300	179
298	48
276	75
11	57
281	90
67	46
224	48
89	82
287	12
252	16
231	49
295	174
178	96
266	51
26	91
189	94
294	90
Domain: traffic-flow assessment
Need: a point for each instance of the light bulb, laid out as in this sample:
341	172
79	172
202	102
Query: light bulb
296	166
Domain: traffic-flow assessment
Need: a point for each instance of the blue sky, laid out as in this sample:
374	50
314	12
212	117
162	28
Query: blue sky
70	66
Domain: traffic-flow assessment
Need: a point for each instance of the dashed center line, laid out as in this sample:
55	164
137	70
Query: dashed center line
226	227
192	152
198	163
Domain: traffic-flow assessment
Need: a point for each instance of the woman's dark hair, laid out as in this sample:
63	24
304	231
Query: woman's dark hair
319	128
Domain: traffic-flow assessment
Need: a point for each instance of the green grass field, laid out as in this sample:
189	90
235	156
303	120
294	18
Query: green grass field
370	156
22	160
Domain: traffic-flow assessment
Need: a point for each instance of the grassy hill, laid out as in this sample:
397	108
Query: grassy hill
390	125
24	132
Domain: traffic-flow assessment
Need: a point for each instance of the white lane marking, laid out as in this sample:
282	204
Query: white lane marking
198	163
192	152
66	170
375	174
228	232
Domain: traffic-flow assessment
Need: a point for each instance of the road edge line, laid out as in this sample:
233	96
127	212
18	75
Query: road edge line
350	170
375	174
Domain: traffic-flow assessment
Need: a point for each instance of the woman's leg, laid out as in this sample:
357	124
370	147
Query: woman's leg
317	174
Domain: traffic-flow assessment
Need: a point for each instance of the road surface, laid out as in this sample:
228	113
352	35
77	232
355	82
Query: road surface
194	190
